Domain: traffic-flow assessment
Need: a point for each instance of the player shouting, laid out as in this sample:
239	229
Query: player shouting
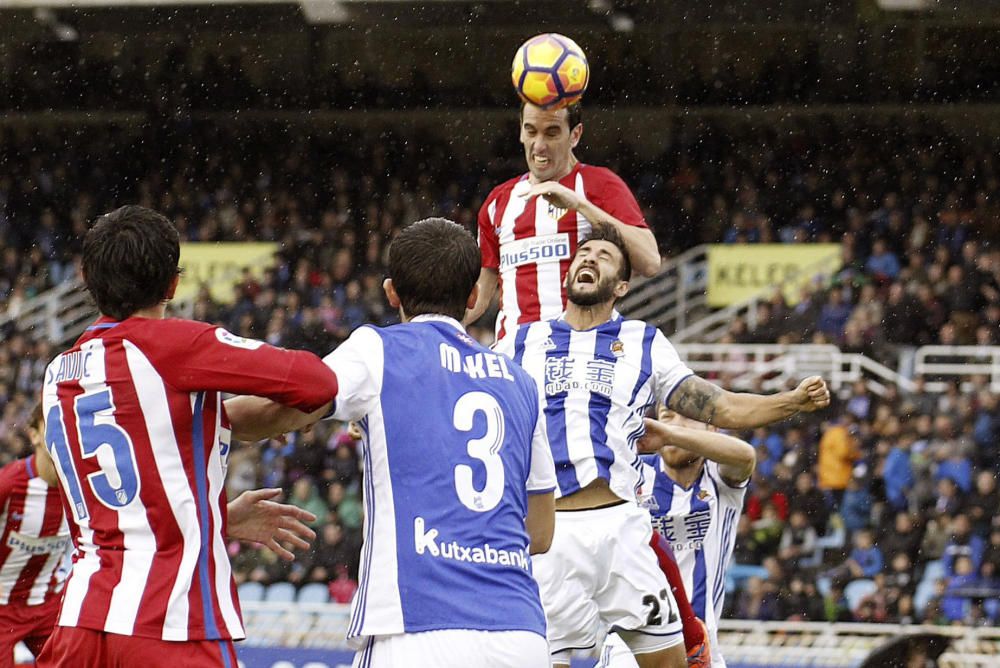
530	226
597	374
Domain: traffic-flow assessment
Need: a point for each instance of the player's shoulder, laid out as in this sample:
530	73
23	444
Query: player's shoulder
504	189
596	176
13	473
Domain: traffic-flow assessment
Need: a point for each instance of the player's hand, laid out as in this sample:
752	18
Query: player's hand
254	517
556	194
354	431
655	437
811	395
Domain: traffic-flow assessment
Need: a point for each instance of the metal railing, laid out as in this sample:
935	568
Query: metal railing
58	314
942	365
670	299
774	366
744	642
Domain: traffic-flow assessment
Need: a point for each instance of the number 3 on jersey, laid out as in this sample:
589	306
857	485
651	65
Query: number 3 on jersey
117	483
485	449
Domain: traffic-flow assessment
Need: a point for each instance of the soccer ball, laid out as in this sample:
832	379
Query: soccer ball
550	71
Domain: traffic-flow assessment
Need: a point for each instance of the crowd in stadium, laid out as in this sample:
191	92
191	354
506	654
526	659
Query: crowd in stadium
875	479
61	76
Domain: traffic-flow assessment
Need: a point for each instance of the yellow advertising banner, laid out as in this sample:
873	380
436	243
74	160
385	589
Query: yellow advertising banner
738	272
220	266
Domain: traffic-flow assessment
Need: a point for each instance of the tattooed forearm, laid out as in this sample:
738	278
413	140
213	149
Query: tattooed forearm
697	399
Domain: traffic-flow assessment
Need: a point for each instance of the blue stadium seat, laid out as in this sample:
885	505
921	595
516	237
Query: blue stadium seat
314	592
280	592
250	592
857	590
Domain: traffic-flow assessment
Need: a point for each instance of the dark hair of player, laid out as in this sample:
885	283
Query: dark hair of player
610	234
35	420
574	114
129	260
434	264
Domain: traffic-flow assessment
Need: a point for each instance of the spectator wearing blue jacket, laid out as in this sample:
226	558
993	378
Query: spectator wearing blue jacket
963	543
897	474
856	506
882	263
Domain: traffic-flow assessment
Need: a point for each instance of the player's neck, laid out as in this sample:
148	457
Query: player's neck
587	317
685	476
158	312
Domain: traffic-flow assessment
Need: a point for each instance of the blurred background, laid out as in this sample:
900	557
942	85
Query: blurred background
821	176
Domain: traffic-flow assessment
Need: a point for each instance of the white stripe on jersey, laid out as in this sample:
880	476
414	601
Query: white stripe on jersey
223	577
41	584
377	604
578	440
583	225
152	395
550	303
88	562
31	526
511	307
138	541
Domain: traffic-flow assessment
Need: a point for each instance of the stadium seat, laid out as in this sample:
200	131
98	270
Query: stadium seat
314	592
280	592
250	592
835	538
857	590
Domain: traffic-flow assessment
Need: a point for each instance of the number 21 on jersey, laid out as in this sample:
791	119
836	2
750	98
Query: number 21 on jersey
116	484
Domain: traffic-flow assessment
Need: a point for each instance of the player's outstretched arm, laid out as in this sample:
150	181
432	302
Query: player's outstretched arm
255	517
736	458
540	522
256	418
487	284
698	399
639	241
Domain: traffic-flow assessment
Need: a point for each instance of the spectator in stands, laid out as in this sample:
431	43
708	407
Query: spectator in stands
838	451
897	473
963	543
856	505
346	506
306	496
983	505
903	537
798	541
808	499
833	316
882	264
864	561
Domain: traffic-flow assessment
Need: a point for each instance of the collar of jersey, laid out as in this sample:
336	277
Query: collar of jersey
615	315
434	317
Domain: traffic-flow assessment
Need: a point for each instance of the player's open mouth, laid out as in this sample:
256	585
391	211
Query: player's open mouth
586	275
539	160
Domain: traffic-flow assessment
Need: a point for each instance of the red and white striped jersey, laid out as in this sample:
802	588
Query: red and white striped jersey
140	439
530	242
35	538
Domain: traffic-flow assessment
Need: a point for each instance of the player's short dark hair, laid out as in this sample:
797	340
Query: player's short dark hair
574	114
434	264
129	260
611	234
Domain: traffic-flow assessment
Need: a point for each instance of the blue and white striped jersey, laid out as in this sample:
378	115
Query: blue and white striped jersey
596	386
453	444
700	524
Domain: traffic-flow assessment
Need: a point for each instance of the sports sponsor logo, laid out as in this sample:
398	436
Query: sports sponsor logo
426	542
34	545
534	250
231	339
564	374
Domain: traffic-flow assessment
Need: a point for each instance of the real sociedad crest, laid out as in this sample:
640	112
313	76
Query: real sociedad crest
618	348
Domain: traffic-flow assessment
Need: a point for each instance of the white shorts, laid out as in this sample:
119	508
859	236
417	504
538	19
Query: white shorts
457	648
601	574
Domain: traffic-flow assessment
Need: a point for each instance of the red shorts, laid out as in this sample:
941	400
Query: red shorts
72	647
31	623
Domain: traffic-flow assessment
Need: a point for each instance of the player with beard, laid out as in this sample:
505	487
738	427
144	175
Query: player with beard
598	373
693	487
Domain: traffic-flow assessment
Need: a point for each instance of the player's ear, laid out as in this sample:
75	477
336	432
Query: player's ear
173	288
470	303
621	289
390	293
575	134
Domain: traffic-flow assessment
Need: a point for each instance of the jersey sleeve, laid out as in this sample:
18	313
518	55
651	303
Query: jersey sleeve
611	194
667	368
358	364
489	243
8	479
542	475
194	356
